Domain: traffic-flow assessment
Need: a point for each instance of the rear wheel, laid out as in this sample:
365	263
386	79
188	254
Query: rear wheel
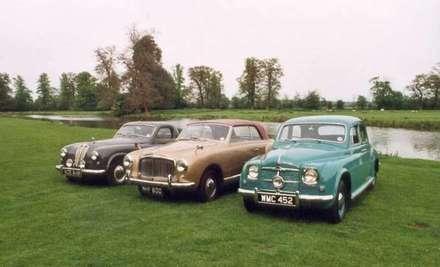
376	170
209	186
340	206
249	204
116	173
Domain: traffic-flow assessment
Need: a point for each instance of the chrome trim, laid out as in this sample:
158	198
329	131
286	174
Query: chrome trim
287	182
167	184
361	188
253	193
61	168
280	169
232	177
316	197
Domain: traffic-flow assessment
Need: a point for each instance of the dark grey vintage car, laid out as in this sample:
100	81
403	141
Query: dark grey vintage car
103	158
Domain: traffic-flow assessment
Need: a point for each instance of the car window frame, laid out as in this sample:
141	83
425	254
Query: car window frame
164	127
356	126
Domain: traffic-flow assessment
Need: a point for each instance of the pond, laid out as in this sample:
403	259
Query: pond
391	141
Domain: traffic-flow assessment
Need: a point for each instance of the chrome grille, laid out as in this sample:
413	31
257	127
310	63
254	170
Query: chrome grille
288	173
156	167
80	154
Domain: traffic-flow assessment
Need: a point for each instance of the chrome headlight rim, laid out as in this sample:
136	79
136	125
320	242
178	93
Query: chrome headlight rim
95	155
63	152
310	176
69	163
181	165
127	162
278	182
253	172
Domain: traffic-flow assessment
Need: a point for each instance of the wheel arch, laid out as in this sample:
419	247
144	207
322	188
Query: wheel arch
114	157
215	167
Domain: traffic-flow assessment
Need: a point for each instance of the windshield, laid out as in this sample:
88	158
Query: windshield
325	132
135	131
205	131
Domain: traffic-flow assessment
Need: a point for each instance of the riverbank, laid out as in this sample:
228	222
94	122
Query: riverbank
426	120
48	221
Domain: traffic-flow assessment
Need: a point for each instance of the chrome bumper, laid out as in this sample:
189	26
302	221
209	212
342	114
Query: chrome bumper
167	184
301	197
61	169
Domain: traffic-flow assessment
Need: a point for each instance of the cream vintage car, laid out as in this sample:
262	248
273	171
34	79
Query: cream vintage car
205	156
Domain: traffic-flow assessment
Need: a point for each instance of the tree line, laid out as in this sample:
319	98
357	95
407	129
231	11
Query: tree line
144	84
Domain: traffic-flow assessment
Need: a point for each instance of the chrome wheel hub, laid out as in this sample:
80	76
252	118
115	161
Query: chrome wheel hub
210	187
118	173
341	204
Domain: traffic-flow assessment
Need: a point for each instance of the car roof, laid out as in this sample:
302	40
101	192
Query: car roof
238	122
149	123
340	119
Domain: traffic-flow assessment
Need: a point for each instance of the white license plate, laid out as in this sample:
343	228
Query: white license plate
72	173
285	200
156	190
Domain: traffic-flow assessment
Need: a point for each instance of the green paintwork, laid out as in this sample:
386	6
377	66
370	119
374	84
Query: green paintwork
331	159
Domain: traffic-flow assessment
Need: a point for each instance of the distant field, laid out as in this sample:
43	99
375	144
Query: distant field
48	221
417	120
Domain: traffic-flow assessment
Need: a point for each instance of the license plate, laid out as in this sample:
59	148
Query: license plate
72	173
285	200
156	190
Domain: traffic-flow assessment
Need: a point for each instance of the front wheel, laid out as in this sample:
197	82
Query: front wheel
249	204
116	173
209	186
340	206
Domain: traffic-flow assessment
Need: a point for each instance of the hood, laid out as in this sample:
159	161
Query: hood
299	154
109	143
184	149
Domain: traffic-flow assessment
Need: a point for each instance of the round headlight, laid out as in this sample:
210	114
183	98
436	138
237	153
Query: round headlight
310	177
128	162
69	163
95	155
63	152
82	164
253	172
278	182
181	165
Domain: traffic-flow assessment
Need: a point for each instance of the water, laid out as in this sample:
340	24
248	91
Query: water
399	142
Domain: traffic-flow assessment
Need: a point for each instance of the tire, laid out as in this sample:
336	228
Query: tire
209	186
339	208
376	170
72	179
249	204
116	173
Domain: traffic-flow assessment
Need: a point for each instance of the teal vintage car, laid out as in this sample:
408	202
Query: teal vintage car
319	162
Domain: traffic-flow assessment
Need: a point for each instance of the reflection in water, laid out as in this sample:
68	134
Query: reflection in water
400	142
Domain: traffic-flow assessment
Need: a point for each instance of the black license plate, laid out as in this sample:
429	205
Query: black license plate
285	200
72	173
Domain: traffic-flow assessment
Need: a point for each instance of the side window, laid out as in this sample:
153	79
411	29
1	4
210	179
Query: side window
240	133
164	133
255	135
354	135
364	134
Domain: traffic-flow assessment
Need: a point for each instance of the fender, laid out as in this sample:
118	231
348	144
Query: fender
339	177
113	157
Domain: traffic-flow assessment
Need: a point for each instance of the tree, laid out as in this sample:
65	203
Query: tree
271	75
6	101
145	75
206	86
110	83
312	100
384	96
249	81
85	85
361	102
67	91
340	104
45	100
179	83
420	89
23	99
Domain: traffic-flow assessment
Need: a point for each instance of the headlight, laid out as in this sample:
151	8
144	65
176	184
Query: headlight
95	155
82	164
181	165
128	162
63	152
310	176
69	163
253	172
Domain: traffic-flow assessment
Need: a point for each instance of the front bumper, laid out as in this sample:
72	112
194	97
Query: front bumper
322	201
62	170
168	184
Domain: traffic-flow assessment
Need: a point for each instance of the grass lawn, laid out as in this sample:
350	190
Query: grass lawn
48	221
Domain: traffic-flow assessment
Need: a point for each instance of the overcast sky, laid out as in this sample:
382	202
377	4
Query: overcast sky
333	46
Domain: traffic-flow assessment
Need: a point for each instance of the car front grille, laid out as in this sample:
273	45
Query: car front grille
156	167
80	154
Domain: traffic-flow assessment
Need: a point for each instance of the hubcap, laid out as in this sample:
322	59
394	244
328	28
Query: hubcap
118	173
210	187
341	204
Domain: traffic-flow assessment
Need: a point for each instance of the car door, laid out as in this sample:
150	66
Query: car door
367	161
242	147
355	165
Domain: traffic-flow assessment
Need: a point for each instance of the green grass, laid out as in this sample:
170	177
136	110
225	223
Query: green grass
418	120
48	221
